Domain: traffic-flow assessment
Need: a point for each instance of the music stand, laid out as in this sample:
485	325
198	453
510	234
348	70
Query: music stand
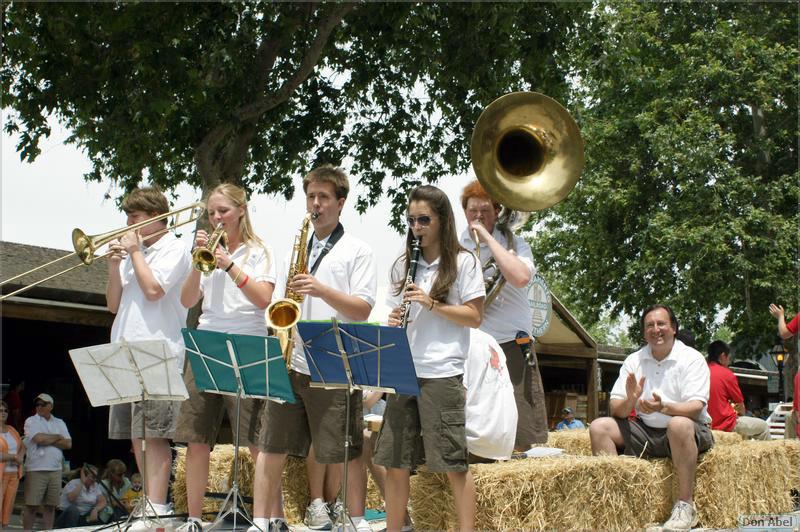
357	356
127	372
243	366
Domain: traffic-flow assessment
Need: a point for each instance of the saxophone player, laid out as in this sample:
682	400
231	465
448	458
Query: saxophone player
509	314
340	282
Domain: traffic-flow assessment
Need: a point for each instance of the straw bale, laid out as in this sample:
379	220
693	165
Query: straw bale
220	473
575	493
220	477
792	450
751	477
726	438
574	441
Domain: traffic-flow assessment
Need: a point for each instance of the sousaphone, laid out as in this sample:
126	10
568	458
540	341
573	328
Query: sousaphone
527	151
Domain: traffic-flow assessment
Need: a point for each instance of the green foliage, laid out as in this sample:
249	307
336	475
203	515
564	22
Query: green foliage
258	93
684	200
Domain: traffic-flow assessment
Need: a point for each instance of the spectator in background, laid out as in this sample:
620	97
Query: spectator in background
114	486
787	331
568	421
46	437
12	452
687	337
133	494
81	500
14	401
726	402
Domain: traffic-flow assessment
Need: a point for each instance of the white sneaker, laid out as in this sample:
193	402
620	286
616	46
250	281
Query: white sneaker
193	525
317	517
260	524
335	509
684	517
362	525
148	520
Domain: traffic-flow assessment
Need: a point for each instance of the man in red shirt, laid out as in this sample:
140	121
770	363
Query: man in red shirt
787	331
725	401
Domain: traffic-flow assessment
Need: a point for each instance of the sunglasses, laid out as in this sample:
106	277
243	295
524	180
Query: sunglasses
37	405
423	221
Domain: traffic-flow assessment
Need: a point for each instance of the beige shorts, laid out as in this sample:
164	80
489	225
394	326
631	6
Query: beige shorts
201	415
42	488
428	429
317	416
160	418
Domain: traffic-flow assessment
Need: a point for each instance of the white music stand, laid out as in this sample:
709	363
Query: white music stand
127	372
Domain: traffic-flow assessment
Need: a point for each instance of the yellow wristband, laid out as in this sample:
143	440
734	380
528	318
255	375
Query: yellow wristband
237	276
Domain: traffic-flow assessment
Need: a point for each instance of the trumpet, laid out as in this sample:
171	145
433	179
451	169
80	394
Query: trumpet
283	314
203	258
87	245
412	273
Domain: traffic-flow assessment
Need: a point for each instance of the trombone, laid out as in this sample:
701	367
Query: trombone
86	245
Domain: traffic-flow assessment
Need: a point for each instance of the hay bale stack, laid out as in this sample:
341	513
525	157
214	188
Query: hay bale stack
572	441
751	477
220	477
583	492
792	450
726	438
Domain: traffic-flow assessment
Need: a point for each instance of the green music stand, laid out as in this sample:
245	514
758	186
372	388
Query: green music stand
243	366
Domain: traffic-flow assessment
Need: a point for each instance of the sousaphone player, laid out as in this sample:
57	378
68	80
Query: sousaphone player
527	153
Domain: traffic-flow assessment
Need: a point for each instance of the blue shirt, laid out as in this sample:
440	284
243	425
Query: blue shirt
574	424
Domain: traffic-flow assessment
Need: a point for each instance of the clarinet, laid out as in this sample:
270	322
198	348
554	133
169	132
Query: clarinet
412	272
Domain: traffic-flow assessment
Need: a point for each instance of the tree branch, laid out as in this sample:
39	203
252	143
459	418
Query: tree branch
267	102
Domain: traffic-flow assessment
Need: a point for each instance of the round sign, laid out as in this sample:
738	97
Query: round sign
541	305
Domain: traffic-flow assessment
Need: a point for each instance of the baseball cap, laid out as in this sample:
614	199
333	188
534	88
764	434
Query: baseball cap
567	410
44	397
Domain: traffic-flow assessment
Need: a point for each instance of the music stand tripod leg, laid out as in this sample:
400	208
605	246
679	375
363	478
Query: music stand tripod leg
233	498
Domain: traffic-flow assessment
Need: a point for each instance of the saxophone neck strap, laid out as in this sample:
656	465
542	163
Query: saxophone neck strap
332	240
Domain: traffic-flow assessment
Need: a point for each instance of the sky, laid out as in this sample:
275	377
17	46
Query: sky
42	202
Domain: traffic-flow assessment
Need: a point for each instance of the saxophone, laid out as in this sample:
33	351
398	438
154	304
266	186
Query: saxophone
412	273
283	314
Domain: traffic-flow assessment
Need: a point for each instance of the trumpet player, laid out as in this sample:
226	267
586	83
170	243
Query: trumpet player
235	293
340	282
508	317
145	272
446	300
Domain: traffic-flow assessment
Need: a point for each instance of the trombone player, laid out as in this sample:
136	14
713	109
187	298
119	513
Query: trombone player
146	269
508	317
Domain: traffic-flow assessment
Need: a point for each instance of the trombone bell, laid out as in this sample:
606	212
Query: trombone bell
527	151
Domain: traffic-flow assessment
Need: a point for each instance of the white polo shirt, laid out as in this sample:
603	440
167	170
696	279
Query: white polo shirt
682	376
44	457
510	312
140	319
491	410
438	345
225	307
348	267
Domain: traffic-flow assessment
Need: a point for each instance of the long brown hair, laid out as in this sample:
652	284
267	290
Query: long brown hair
448	242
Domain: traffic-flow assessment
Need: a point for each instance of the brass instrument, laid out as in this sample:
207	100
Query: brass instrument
86	245
416	248
283	314
203	258
527	153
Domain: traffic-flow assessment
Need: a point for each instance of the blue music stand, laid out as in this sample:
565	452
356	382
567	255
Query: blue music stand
357	356
244	366
364	356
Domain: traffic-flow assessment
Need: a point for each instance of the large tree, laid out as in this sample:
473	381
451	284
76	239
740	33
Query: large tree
258	93
690	193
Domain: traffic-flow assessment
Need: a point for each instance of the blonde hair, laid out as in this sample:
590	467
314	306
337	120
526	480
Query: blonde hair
238	197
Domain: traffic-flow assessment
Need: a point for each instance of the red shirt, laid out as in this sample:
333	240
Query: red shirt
723	391
794	324
796	401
